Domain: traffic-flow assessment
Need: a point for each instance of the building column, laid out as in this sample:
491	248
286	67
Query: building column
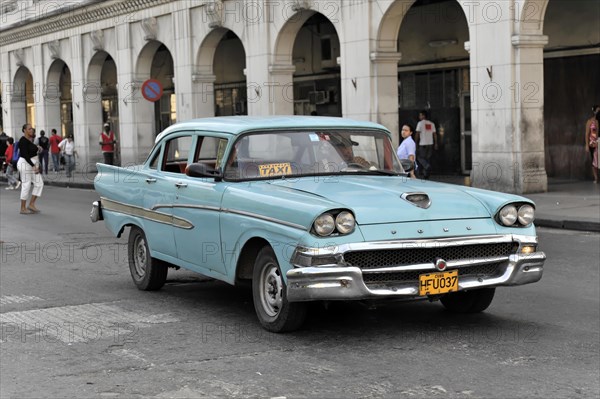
507	107
42	93
203	95
258	78
81	134
530	170
281	89
385	91
183	62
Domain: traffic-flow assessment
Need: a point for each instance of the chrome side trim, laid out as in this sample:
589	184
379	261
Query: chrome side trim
266	218
415	244
186	206
148	214
228	210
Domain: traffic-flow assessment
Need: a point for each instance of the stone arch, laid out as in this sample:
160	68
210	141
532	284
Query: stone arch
531	15
101	98
284	67
58	98
419	37
148	67
284	44
206	52
23	99
393	16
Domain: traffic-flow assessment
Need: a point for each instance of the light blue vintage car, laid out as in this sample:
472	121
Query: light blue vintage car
312	209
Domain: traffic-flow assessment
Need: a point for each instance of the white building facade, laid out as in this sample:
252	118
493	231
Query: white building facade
479	65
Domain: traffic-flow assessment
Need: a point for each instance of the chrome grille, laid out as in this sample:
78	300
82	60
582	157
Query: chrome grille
412	256
489	270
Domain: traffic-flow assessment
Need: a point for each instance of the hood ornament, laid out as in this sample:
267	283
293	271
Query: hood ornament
419	199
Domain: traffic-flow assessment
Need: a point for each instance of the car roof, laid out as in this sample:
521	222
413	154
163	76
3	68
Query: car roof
239	124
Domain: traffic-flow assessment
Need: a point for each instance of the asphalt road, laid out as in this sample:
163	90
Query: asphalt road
73	325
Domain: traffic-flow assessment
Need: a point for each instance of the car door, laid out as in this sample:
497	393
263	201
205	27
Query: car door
198	200
160	192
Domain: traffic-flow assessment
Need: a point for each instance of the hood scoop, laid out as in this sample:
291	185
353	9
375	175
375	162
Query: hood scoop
419	199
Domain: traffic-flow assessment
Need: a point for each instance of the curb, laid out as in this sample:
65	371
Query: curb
569	225
577	225
65	184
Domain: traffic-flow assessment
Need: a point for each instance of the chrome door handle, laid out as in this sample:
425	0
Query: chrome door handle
180	185
150	181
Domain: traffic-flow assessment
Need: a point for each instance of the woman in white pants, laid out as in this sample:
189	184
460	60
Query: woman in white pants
29	168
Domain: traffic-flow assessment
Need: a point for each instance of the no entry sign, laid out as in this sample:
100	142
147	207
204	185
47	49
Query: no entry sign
152	90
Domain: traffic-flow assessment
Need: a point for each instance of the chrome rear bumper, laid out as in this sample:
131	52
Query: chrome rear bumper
347	283
96	213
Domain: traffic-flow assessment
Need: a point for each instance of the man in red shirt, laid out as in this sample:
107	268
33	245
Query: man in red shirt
55	139
107	143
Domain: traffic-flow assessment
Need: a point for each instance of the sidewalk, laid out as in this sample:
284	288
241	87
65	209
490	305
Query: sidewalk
568	204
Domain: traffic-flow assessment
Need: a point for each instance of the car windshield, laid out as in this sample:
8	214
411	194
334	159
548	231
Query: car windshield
277	154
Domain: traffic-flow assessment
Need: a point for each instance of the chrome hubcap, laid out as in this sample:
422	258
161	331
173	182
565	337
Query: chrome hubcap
140	257
271	289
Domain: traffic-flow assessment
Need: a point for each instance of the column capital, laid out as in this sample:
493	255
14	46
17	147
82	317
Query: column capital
203	78
282	69
531	41
386	57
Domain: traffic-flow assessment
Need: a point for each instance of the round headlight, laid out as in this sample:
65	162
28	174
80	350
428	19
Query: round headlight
344	222
508	215
324	225
526	215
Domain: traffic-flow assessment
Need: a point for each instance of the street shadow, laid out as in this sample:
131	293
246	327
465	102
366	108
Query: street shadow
407	323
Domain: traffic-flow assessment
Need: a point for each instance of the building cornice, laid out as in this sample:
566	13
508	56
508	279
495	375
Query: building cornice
85	15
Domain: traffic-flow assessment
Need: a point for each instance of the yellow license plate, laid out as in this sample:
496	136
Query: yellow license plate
438	283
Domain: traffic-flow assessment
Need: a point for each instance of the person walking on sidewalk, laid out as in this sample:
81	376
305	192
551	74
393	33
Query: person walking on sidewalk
426	138
407	149
3	147
55	150
29	168
107	144
68	148
13	182
591	139
44	143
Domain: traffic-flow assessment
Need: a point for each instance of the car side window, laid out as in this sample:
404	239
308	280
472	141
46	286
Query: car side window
154	162
176	154
210	151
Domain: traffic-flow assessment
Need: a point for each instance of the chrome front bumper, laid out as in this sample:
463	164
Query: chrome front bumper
340	282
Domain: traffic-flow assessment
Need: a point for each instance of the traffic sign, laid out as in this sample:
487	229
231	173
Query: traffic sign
152	90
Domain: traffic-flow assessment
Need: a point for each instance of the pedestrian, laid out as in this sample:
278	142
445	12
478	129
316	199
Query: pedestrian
591	139
13	182
407	149
55	150
107	144
427	140
68	149
44	143
29	168
3	146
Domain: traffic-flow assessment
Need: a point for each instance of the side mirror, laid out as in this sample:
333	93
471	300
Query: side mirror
407	165
202	170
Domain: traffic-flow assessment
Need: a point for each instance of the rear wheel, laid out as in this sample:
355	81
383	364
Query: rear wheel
148	274
274	311
473	301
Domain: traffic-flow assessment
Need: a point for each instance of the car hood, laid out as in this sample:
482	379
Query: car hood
378	199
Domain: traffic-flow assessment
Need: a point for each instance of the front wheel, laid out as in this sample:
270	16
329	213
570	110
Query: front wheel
148	274
474	301
274	311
